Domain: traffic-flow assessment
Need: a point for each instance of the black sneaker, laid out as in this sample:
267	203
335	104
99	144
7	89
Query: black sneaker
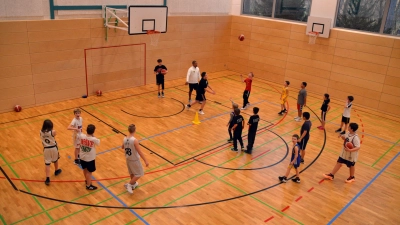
283	179
328	176
343	132
234	149
188	106
296	179
338	130
230	140
302	161
284	111
159	95
162	94
280	113
247	152
47	182
77	162
57	172
91	187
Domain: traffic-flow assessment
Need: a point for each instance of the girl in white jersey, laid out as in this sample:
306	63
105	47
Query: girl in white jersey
76	125
133	155
50	152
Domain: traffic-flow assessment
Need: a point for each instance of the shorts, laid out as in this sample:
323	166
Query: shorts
303	143
283	100
76	142
347	162
323	116
201	97
51	155
193	86
135	168
299	107
297	163
160	79
345	120
90	166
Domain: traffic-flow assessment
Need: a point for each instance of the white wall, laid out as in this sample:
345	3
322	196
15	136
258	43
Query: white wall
324	8
236	7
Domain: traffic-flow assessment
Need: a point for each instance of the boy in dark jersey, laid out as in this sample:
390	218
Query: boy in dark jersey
160	77
201	93
324	109
237	130
304	134
231	122
253	124
294	161
246	93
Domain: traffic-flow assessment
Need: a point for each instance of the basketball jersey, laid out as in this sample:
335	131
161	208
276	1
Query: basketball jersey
48	140
284	92
130	150
298	152
88	147
347	109
350	156
76	123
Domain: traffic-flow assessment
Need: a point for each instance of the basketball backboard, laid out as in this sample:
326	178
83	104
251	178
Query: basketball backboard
319	24
143	18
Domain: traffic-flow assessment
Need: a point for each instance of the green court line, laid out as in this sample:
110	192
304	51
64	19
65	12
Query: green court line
26	187
259	200
379	159
3	220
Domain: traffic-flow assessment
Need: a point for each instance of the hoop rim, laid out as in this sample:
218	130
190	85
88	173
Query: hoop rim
153	32
313	33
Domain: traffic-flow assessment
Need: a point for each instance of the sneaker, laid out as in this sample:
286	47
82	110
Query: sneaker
338	130
247	152
159	95
200	103
321	128
298	119
234	149
230	140
47	182
328	176
135	185
57	172
350	179
343	132
126	185
129	188
188	106
302	161
77	162
243	108
280	113
283	179
284	111
296	179
91	187
162	95
190	101
201	112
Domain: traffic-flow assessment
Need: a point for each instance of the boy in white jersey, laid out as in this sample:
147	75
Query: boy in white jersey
347	156
88	145
76	126
133	155
346	115
50	152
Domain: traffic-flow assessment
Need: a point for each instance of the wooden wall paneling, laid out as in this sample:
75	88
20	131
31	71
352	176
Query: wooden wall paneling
47	25
14	49
19	81
358	99
393	81
311	55
357	64
14	92
59	85
57	56
357	82
362	47
12	26
392	99
13	38
7	105
391	90
308	70
365	38
54	35
379	78
57	66
15	71
366	57
58	95
49	46
352	89
59	75
14	60
389	108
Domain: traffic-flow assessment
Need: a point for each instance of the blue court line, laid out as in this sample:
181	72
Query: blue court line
364	188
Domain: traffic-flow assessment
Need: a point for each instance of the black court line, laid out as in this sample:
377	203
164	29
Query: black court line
153	152
9	180
155	117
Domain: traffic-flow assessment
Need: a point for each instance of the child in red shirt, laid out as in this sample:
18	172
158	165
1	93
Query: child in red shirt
246	93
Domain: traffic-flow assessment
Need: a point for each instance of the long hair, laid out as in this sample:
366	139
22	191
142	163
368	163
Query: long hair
47	126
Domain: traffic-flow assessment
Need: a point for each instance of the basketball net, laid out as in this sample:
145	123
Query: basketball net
154	36
312	37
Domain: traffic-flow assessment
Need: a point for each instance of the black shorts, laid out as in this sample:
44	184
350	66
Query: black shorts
303	143
347	162
345	120
160	79
201	97
90	166
193	86
323	116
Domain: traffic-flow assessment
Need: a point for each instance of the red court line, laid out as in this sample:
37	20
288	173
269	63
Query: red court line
310	189
286	208
298	199
321	181
269	219
260	154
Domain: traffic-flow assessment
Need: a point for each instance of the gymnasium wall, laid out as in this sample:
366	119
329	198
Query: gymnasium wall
364	65
43	61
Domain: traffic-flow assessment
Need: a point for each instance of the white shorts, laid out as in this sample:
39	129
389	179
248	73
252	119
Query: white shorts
135	168
76	142
51	155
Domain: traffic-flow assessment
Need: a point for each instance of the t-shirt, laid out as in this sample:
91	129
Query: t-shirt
77	123
284	92
355	140
88	147
203	84
48	140
306	127
158	69
232	115
130	150
248	82
193	75
325	104
253	121
239	121
347	109
301	97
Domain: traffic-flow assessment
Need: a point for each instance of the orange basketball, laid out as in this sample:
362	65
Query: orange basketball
17	108
164	71
99	93
241	37
349	145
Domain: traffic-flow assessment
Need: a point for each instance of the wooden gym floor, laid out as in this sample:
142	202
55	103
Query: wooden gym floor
193	177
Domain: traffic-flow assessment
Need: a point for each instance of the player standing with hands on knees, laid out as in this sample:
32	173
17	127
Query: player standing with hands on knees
201	93
192	78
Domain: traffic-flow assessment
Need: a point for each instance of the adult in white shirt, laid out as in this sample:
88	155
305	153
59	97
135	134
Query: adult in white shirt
192	78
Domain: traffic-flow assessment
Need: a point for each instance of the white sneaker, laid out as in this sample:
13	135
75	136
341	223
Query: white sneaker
187	106
242	108
126	185
129	188
201	112
298	119
135	185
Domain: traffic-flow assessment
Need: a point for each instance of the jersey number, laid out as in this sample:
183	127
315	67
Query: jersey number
128	151
47	141
85	149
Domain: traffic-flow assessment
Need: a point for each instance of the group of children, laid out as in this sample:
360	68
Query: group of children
85	151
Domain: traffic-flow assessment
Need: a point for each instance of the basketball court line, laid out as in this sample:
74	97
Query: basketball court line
3	220
183	108
363	189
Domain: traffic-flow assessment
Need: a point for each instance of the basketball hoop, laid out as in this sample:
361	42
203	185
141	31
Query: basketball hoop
312	37
154	35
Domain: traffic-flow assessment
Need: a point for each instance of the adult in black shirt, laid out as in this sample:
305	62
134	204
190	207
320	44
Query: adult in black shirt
304	134
201	93
160	76
253	124
237	130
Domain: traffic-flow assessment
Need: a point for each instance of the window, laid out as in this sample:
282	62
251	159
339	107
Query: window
392	25
258	7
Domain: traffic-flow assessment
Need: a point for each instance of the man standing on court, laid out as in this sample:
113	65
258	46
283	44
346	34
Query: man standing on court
192	78
301	101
